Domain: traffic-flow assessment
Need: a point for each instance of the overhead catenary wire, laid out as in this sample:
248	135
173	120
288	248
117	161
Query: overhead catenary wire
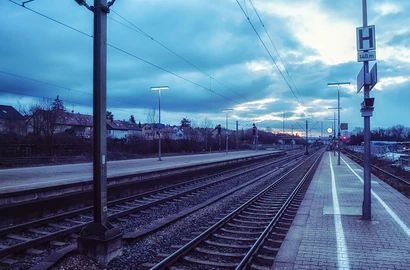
62	87
277	52
142	32
125	52
267	50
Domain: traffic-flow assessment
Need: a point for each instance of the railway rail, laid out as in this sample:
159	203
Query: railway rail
249	236
29	235
20	206
400	184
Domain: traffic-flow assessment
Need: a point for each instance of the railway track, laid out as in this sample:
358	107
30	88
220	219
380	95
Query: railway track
21	206
394	181
250	235
28	236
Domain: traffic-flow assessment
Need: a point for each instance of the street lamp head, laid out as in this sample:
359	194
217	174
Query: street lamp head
159	88
226	110
337	83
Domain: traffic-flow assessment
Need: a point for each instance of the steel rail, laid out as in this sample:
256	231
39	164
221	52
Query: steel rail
76	228
247	258
175	256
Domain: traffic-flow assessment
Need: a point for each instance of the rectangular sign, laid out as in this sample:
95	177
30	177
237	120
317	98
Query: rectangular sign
344	126
160	126
373	76
366	56
360	79
366	38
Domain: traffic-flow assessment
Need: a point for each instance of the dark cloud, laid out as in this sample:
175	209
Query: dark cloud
224	63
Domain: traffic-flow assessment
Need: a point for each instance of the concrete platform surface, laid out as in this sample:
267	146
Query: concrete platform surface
18	179
329	232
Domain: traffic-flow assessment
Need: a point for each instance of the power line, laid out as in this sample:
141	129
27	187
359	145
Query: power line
69	102
142	32
170	72
54	20
267	50
51	84
280	58
62	87
125	52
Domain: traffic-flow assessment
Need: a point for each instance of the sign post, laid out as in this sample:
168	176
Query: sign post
366	44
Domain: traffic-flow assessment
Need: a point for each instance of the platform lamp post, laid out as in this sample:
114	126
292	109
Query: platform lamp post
226	132
334	125
159	88
338	115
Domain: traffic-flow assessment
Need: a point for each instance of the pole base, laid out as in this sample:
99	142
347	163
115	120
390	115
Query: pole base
100	242
306	153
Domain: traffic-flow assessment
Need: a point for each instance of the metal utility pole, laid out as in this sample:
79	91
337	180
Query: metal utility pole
366	211
338	116
159	127
334	128
255	136
366	51
100	239
99	112
283	128
237	137
307	141
226	132
321	129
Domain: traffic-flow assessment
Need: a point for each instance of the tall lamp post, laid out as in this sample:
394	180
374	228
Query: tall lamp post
226	133
334	126
159	88
338	115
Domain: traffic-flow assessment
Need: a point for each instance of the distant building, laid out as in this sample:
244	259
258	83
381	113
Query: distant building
45	122
147	132
122	129
12	121
80	124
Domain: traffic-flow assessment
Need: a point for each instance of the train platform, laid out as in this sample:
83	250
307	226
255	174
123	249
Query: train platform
329	232
28	178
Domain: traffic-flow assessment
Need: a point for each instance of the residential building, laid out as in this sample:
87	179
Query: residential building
12	121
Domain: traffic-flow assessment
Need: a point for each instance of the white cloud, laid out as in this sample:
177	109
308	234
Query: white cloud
255	105
390	81
333	39
259	65
393	54
387	8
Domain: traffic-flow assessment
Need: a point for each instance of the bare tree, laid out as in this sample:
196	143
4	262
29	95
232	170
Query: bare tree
207	126
206	123
194	124
406	133
43	117
151	116
397	132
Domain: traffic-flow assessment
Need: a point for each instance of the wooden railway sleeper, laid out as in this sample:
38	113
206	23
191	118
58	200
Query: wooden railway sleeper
247	227
210	242
239	232
218	253
234	238
210	263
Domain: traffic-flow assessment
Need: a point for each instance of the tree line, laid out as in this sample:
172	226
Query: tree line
397	133
46	138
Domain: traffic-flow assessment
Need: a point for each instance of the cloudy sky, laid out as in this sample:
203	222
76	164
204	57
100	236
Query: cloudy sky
273	68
